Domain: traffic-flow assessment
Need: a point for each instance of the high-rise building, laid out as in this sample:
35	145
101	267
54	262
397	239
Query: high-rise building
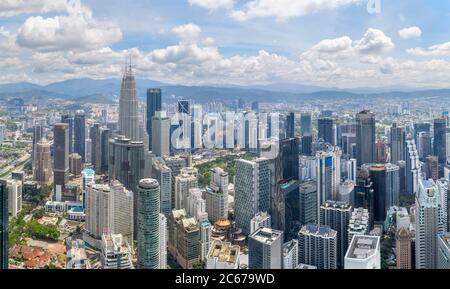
429	222
290	254
75	164
186	180
121	211
14	188
260	220
307	140
79	127
412	168
425	145
363	253
154	104
223	255
439	145
163	241
397	143
148	224
305	123
43	162
69	120
432	167
381	151
358	224
403	249
290	125
98	209
76	257
317	246
163	174
205	239
128	107
160	134
175	164
184	106
347	192
196	205
115	252
443	251
336	215
4	214
265	249
216	204
106	135
38	134
61	159
308	203
252	191
365	137
364	194
326	131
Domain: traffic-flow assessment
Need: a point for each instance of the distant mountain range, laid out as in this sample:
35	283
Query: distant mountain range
107	91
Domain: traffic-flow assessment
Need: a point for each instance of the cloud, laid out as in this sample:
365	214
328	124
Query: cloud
212	5
187	33
10	8
410	32
76	31
286	9
374	42
435	50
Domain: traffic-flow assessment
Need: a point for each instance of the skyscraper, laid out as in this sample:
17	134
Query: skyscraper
363	253
265	249
290	125
121	211
128	107
325	127
439	145
317	246
412	168
364	194
163	174
403	249
98	209
432	167
79	127
162	241
70	122
38	134
95	134
160	132
305	123
365	138
43	162
443	251
308	203
397	143
429	222
154	104
61	159
184	106
4	259
148	224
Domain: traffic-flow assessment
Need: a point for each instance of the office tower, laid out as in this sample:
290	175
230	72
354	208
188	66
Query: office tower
196	205
219	180
128	107
184	106
381	152
154	104
402	174
308	203
255	106
88	178
260	220
205	239
98	209
160	134
4	214
317	246
352	170
386	185
328	175
76	257
75	164
290	254
121	211
252	191
223	255
79	127
186	180
325	127
432	167
148	224
162	241
95	134
363	253
216	204
429	222
115	252
347	192
305	123
359	223
336	215
439	145
397	143
364	194
175	164
106	135
14	189
265	249
69	120
413	168
290	209
425	145
163	174
365	137
306	144
290	125
307	168
127	164
88	151
61	159
443	251
184	239
43	163
421	127
403	249
38	134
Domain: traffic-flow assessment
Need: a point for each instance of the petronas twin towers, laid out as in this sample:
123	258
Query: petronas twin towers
128	107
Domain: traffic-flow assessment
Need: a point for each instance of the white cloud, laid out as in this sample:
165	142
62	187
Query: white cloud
76	31
410	32
9	8
188	33
285	9
213	5
374	42
435	50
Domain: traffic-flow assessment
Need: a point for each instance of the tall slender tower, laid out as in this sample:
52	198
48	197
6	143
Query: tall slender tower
128	107
365	138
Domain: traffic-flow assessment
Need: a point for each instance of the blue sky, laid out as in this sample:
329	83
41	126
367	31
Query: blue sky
335	43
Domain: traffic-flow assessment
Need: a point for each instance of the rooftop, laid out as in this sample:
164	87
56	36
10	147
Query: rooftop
363	247
224	252
266	235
